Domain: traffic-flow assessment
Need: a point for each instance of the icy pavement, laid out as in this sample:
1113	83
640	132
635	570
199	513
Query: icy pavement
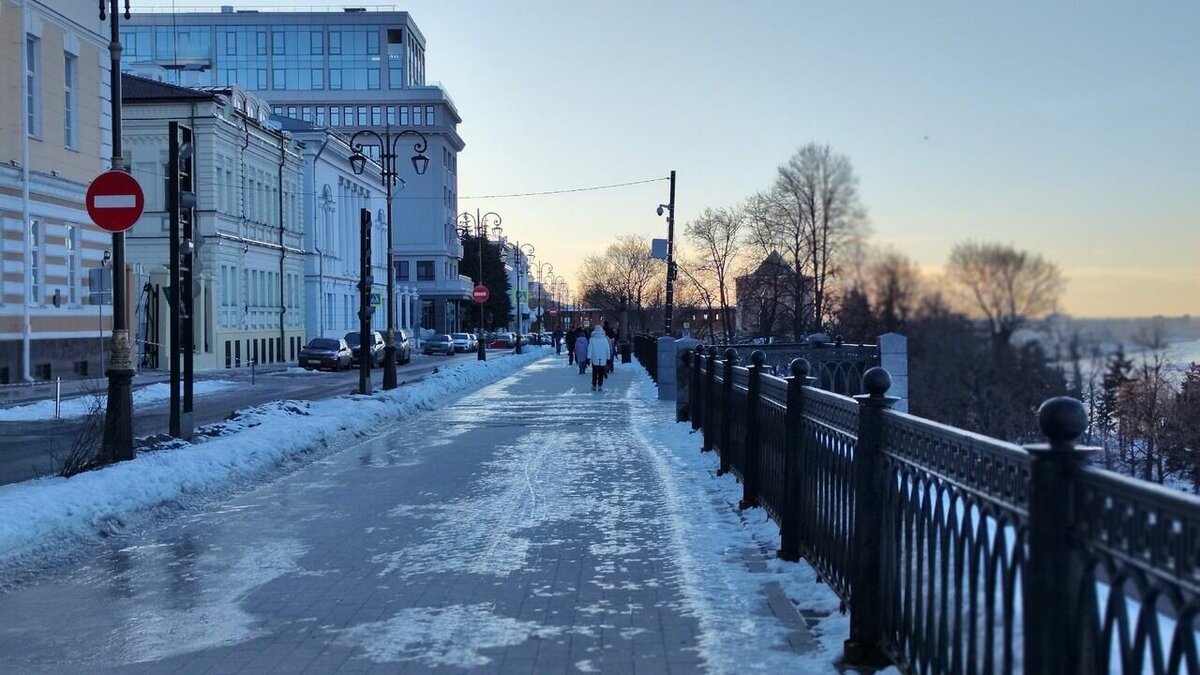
533	525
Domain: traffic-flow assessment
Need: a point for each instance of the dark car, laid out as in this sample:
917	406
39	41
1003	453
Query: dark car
376	348
439	344
403	346
503	341
332	353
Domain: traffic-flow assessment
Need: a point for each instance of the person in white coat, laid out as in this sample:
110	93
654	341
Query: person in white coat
598	355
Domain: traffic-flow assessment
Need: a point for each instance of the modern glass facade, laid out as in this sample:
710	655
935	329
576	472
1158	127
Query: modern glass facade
280	58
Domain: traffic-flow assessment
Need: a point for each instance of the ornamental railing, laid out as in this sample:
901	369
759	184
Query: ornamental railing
955	552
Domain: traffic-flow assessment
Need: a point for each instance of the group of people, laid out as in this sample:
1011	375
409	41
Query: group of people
597	348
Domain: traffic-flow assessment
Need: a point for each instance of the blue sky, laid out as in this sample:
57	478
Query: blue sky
1070	129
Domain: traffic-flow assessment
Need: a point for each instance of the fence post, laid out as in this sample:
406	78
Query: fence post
726	427
866	605
1057	641
789	528
753	437
692	359
710	393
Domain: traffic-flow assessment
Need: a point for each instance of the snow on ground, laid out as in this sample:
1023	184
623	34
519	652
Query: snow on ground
709	536
48	516
82	405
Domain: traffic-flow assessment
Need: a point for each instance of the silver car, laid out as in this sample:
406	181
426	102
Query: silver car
462	341
439	344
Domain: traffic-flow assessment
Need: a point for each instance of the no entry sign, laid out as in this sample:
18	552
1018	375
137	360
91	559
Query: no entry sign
553	312
480	294
115	201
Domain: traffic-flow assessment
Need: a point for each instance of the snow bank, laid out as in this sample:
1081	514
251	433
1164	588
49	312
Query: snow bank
46	516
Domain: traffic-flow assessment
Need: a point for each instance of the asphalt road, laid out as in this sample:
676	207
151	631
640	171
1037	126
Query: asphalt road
28	449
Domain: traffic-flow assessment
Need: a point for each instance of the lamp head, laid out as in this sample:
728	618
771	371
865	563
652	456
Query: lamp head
660	208
358	161
420	163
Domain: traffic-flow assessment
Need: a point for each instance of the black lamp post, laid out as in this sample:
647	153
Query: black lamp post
389	176
670	211
478	224
544	269
117	439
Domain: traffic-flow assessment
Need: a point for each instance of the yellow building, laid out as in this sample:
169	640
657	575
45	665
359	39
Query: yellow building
55	137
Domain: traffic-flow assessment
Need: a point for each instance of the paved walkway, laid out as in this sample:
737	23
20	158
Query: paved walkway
518	530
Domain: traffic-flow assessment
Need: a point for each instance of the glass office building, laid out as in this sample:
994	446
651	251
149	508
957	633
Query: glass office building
349	71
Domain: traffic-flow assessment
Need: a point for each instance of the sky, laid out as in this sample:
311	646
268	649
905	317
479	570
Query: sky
1068	129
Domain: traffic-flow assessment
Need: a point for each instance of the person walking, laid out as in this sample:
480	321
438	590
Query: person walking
599	349
571	347
558	340
581	350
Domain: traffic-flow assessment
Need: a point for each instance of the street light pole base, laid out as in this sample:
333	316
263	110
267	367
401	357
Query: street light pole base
118	417
482	350
389	366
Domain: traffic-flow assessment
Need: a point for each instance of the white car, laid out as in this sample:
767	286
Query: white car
462	342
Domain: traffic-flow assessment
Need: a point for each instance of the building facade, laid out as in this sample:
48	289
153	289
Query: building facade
333	198
348	71
55	137
249	225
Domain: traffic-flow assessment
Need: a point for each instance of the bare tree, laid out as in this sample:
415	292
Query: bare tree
894	285
718	233
1006	286
624	271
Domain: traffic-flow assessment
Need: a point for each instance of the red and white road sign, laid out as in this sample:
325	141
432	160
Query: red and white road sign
115	201
553	312
480	294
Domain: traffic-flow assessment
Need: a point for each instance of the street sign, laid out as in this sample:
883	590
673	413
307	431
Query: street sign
553	312
115	201
376	299
480	294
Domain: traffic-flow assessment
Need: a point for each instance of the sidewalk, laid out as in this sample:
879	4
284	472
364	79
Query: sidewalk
533	526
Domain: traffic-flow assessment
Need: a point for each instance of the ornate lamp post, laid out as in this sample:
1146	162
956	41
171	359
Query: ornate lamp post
545	270
522	253
478	224
389	176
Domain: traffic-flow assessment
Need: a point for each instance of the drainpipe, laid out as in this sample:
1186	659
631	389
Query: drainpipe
26	319
320	253
282	252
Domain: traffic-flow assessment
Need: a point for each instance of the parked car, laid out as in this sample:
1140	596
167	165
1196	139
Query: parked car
502	341
439	344
403	346
375	348
332	353
462	342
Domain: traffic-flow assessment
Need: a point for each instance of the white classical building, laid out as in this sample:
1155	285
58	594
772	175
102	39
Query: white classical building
333	197
249	256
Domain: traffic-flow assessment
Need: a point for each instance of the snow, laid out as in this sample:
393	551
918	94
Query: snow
80	406
50	516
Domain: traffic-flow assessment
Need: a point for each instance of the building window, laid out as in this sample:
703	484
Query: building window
348	116
403	115
428	115
33	97
362	115
401	270
417	116
35	262
335	116
306	113
424	270
70	100
320	115
391	115
292	111
72	264
376	116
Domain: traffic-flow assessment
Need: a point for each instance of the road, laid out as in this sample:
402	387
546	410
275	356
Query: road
28	449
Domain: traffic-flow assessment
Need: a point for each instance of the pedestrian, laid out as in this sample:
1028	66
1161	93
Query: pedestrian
599	353
581	351
558	338
612	354
571	347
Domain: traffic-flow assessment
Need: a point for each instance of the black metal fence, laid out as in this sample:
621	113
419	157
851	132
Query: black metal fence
645	348
954	552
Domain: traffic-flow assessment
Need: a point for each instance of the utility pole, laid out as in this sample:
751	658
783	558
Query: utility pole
117	442
364	301
181	201
670	309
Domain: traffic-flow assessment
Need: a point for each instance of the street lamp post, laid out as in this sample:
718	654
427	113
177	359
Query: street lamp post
520	251
670	210
389	176
478	223
117	439
546	269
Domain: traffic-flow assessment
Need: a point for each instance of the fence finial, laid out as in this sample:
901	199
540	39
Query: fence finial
876	382
731	355
758	357
1062	420
800	367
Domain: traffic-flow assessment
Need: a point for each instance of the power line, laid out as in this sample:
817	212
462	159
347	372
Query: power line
568	190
